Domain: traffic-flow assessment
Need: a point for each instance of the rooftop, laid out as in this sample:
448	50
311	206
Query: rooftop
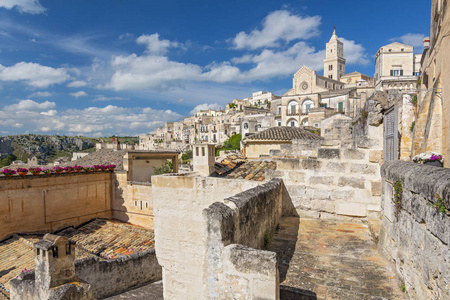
106	239
284	133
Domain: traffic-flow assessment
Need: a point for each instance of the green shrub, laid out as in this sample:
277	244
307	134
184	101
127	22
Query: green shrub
233	143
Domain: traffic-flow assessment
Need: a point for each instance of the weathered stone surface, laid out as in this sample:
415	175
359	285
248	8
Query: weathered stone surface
326	180
329	153
357	183
354	154
375	188
351	209
288	164
331	260
311	164
337	167
417	239
375	156
368	169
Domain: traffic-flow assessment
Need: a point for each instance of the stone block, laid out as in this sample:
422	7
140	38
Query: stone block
325	180
364	169
357	183
311	164
354	154
375	156
375	187
308	214
343	194
288	164
351	209
336	167
329	153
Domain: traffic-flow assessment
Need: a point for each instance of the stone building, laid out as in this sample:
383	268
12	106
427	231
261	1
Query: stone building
396	67
432	124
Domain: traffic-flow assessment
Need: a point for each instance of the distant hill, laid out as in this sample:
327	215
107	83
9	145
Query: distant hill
49	147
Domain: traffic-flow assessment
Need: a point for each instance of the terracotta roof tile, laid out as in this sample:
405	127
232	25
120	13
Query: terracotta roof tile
284	133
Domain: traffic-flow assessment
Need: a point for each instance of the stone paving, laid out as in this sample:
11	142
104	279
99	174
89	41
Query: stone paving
152	291
321	259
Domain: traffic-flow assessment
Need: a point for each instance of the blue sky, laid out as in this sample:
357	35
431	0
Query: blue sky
124	67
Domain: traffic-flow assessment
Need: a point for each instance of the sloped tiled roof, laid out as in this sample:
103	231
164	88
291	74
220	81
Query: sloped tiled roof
106	239
284	133
100	157
253	170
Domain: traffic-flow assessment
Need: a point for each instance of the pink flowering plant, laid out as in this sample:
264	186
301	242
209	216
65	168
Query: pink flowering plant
78	168
46	171
57	169
111	166
68	169
8	172
428	157
35	170
88	169
22	170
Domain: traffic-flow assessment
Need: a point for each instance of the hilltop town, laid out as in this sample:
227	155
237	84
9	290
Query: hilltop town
337	189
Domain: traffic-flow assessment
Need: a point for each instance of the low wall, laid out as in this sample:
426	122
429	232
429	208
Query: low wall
247	219
180	230
417	238
339	182
46	203
115	276
132	202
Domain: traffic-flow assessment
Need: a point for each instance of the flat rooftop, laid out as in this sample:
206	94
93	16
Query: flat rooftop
106	239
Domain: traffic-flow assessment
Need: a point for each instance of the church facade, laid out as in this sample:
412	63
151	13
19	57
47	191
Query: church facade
322	95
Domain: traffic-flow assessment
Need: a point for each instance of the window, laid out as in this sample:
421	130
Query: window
330	67
203	151
326	84
292	123
330	76
245	125
140	205
196	151
146	204
402	49
307	107
279	123
135	203
341	107
323	105
279	110
334	86
256	127
397	72
214	137
316	125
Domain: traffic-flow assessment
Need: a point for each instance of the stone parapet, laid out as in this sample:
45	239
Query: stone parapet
416	237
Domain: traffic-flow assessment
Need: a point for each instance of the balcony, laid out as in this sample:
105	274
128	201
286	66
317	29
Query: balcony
295	112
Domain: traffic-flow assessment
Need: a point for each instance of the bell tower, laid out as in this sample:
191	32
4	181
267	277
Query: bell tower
334	62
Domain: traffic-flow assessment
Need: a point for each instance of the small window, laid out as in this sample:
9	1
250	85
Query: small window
326	84
203	151
140	204
146	204
279	123
316	125
196	151
292	124
245	125
135	203
402	49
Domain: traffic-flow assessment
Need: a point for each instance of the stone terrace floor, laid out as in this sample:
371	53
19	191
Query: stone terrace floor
331	260
107	239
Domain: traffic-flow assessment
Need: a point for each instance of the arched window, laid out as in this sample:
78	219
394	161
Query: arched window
293	107
292	123
245	125
307	104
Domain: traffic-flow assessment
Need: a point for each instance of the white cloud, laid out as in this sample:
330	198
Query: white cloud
77	84
32	116
280	25
410	39
154	44
78	94
40	94
354	54
104	98
34	74
24	6
205	106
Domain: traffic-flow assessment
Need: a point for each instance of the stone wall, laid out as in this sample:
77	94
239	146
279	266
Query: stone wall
339	182
417	239
46	203
180	230
118	275
132	201
234	228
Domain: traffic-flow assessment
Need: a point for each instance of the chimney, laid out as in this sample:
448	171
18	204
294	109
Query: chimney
204	158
